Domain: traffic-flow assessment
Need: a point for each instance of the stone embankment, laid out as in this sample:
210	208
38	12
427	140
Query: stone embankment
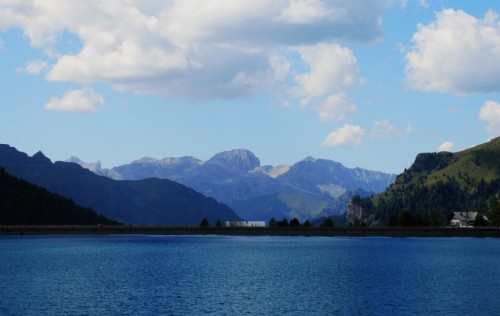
251	231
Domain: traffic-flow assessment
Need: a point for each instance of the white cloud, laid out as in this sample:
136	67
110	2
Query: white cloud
84	100
384	129
336	106
303	11
409	128
446	146
194	48
34	67
423	3
310	11
347	135
490	113
457	53
333	70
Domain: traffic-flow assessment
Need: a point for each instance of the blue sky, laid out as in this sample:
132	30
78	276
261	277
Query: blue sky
366	83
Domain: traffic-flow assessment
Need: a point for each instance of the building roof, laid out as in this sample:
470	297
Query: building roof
465	216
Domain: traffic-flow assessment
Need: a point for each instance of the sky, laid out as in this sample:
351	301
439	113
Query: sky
369	84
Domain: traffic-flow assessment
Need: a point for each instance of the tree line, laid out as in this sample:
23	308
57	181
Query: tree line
284	223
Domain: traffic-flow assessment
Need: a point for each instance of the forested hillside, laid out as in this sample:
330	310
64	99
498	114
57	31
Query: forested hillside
435	186
23	203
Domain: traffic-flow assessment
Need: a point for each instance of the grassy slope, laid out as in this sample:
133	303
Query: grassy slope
468	168
478	163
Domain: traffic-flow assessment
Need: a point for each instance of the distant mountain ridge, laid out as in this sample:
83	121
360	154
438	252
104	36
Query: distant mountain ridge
307	189
147	201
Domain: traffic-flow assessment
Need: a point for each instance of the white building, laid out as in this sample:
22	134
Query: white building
245	224
464	219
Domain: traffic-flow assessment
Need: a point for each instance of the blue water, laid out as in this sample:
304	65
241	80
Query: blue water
221	275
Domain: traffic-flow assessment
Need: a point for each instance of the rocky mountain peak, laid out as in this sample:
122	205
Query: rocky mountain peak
145	160
168	161
309	159
92	166
41	158
178	161
314	164
236	159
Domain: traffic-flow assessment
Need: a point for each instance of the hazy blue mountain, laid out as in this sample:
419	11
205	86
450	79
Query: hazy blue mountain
147	201
307	189
332	178
167	168
95	167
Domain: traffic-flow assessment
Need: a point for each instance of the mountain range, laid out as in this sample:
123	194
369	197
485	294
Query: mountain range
310	188
427	193
147	201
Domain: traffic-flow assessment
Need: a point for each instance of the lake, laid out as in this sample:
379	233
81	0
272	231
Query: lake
224	275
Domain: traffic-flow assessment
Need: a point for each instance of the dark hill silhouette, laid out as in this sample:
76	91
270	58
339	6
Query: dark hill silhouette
23	203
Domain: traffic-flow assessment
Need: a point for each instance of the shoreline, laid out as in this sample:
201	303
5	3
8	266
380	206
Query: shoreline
250	231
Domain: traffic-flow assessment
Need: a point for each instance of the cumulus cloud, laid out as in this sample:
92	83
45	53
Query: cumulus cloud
446	146
457	53
335	106
347	135
333	70
34	67
303	11
83	100
490	114
195	48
